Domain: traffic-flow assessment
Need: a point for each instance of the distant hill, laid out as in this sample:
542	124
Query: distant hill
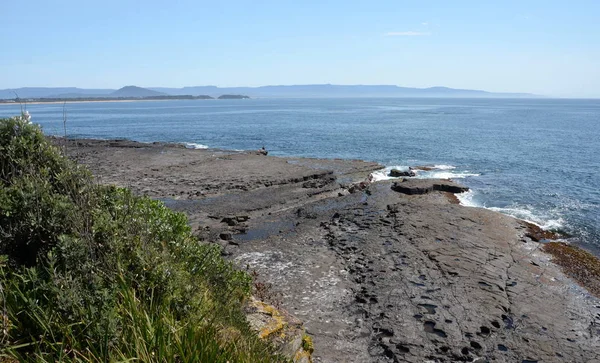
134	91
330	90
294	91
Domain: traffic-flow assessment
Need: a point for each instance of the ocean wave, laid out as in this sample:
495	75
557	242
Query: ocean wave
532	217
441	171
444	175
466	199
524	213
444	167
193	145
384	174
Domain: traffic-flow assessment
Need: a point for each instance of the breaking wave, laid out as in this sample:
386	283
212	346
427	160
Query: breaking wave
524	213
193	145
441	171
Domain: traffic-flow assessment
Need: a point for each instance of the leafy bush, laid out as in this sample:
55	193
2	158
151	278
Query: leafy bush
93	273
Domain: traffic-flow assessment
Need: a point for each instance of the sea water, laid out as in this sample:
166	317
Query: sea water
535	159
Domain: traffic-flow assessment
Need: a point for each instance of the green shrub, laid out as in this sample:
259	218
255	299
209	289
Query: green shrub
94	273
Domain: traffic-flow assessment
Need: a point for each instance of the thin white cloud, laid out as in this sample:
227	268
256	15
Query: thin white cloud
406	34
425	24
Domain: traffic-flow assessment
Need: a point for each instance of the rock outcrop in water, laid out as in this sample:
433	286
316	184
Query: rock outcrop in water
415	186
390	273
396	173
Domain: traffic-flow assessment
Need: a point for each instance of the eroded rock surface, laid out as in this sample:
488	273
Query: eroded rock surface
376	275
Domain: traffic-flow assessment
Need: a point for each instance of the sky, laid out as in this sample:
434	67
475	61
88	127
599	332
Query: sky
546	47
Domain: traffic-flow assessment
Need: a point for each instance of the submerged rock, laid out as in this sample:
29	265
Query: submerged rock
423	167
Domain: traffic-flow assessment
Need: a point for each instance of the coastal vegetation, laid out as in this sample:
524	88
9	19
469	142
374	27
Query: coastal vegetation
93	273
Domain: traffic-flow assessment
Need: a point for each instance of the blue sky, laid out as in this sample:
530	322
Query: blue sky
544	47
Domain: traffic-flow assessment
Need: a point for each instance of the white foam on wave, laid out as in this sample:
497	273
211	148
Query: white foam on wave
529	216
384	174
467	199
441	171
444	175
193	145
444	167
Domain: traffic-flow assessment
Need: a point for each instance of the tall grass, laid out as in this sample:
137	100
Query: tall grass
93	273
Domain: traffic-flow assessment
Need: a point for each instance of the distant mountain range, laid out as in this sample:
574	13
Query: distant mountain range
294	91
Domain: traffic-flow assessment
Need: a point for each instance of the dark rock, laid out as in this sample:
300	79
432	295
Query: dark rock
231	221
537	234
476	345
358	187
424	186
226	236
396	173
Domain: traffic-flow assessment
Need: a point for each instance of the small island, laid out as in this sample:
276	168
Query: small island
233	97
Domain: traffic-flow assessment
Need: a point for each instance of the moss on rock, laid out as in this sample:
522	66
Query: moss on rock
577	263
281	329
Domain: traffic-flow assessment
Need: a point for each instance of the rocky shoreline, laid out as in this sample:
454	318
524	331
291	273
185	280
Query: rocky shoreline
391	271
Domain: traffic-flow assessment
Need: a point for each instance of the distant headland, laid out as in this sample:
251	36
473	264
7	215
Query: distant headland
127	93
57	94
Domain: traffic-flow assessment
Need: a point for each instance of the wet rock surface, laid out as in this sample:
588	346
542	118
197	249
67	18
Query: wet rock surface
377	275
399	173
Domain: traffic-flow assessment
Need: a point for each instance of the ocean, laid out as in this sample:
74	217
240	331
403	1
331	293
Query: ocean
535	159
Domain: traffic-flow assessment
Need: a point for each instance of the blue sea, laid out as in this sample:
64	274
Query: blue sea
535	159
